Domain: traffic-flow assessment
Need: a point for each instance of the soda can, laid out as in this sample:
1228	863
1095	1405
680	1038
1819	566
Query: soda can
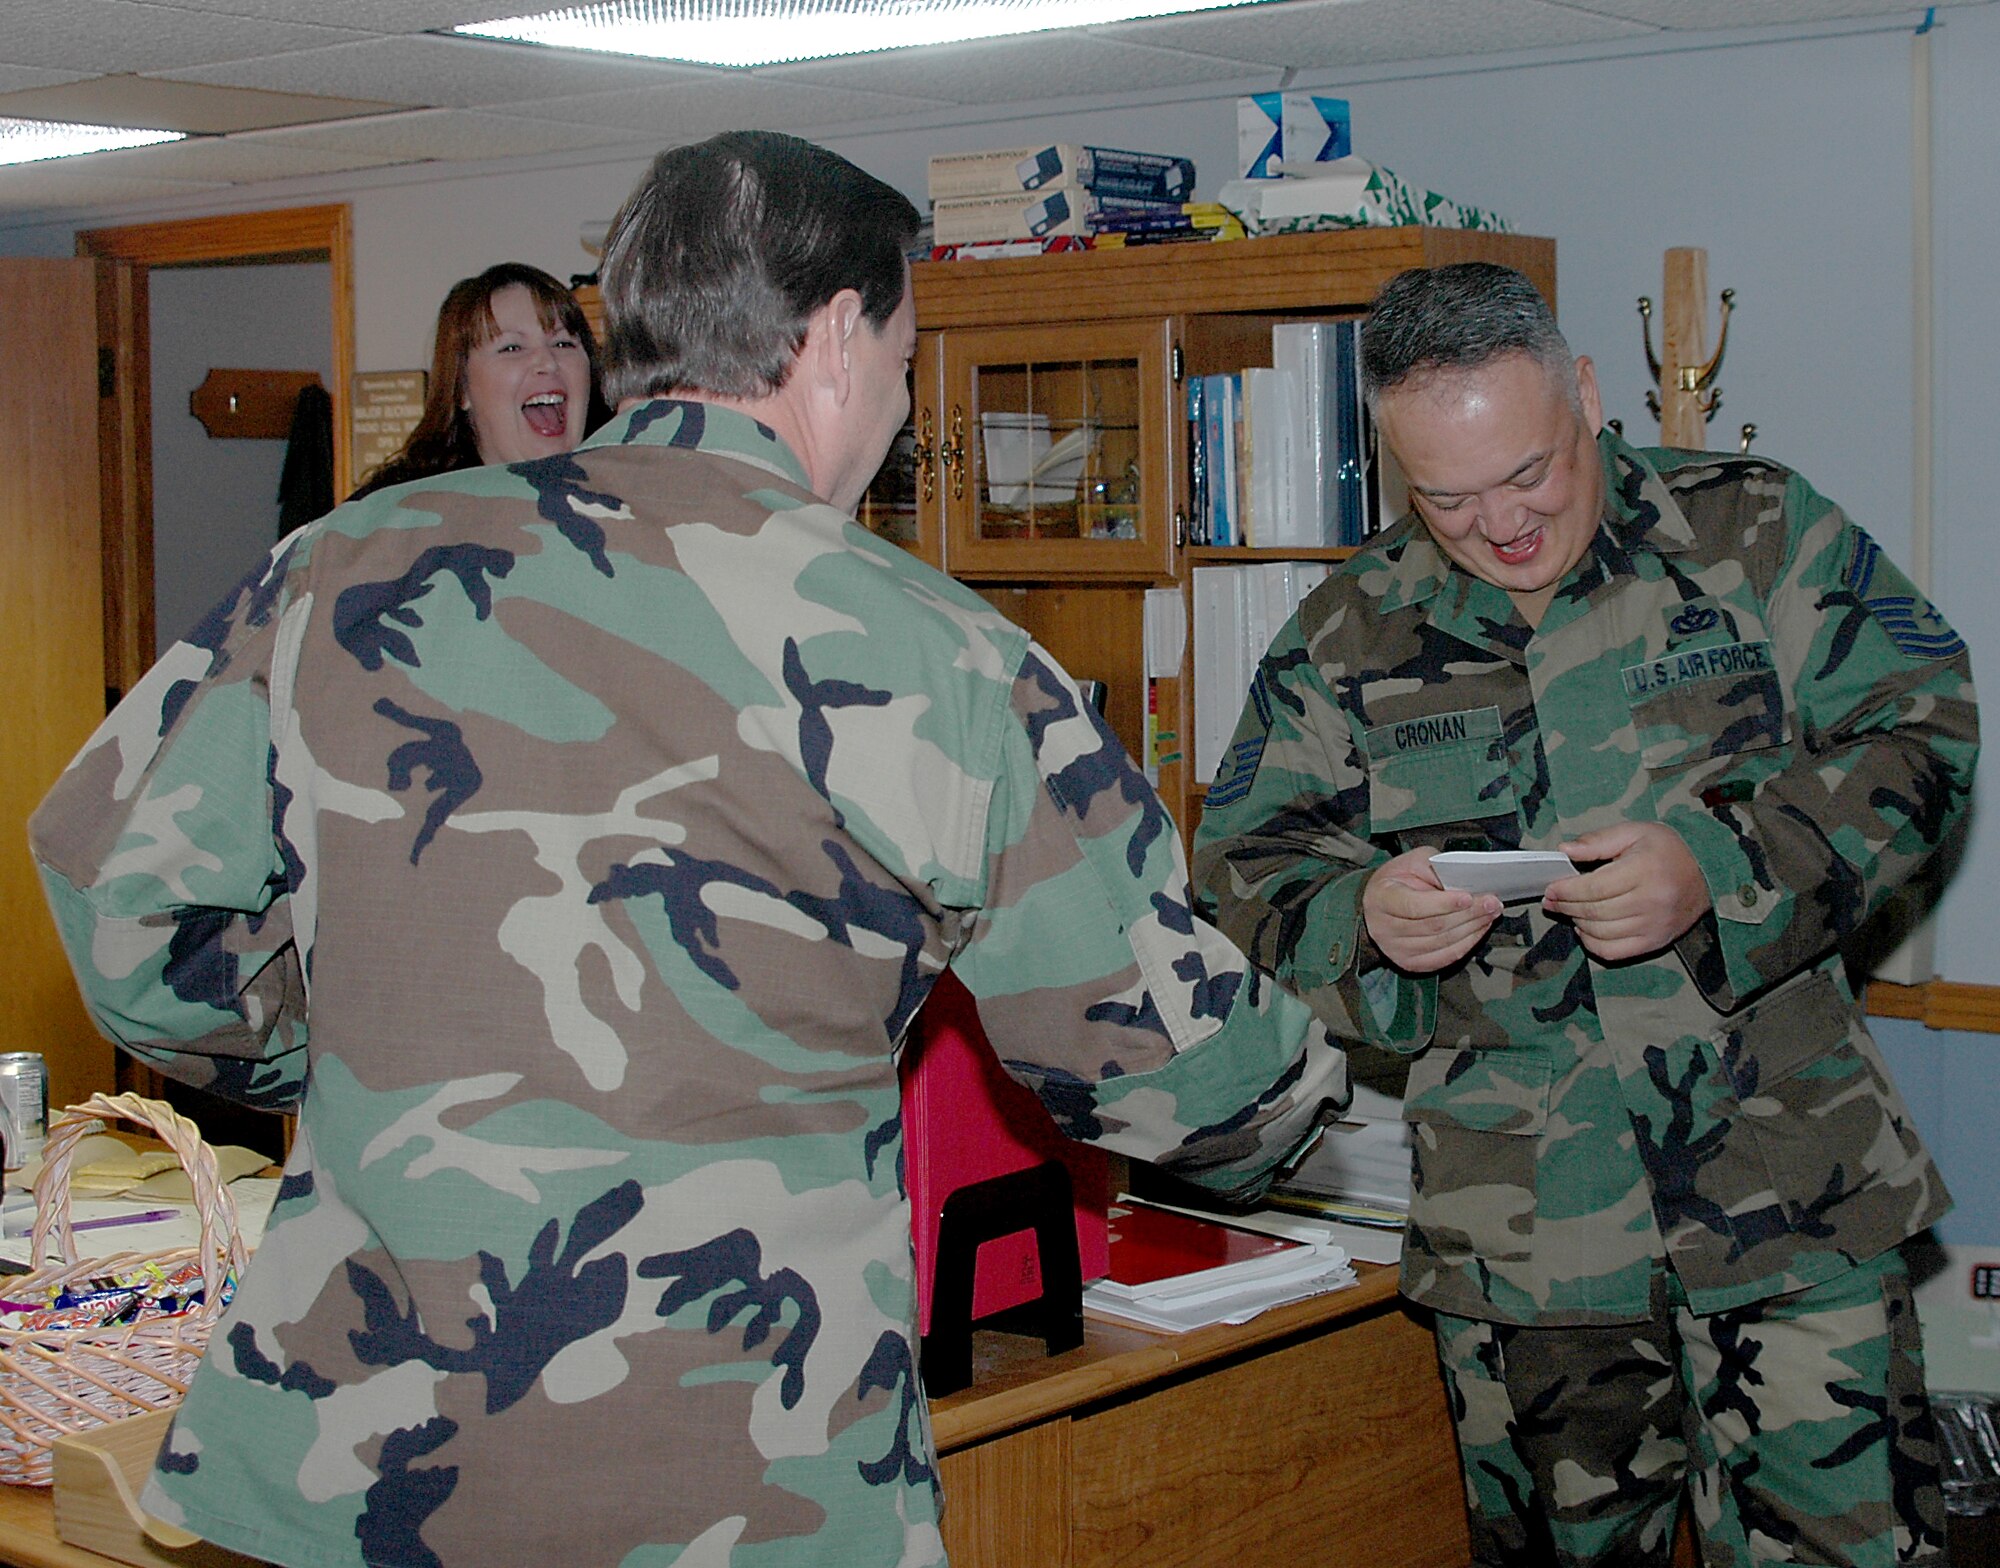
24	1089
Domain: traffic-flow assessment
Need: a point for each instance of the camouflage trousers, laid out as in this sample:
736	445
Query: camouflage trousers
1798	1427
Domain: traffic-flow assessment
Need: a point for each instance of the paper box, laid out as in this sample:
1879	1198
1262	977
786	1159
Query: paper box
1292	128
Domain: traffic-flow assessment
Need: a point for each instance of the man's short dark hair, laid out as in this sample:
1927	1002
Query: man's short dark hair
1458	318
717	261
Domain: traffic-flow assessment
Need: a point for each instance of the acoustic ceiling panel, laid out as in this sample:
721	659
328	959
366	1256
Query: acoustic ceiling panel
42	187
456	135
239	160
448	73
724	101
1702	15
1318	35
21	78
101	37
152	103
370	16
1026	68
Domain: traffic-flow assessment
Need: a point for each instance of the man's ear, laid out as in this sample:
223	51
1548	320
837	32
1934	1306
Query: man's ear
830	342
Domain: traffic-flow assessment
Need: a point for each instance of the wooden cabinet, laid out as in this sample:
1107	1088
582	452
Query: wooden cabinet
1317	1433
1047	451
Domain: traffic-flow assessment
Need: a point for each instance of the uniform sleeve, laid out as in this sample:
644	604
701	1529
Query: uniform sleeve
1878	770
1140	1027
166	870
1281	856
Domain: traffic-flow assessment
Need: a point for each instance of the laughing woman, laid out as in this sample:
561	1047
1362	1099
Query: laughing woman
513	376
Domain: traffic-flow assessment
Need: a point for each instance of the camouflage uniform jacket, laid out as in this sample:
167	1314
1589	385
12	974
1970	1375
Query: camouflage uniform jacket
573	842
1731	657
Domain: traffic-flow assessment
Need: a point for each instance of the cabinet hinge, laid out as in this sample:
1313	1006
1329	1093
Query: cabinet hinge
107	371
1178	364
1180	528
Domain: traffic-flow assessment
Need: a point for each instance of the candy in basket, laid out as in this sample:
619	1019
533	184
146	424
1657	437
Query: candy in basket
85	1341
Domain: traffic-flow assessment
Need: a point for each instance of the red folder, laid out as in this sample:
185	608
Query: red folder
965	1120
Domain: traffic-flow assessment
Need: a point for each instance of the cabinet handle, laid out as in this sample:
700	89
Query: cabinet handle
1180	528
1179	364
923	454
953	456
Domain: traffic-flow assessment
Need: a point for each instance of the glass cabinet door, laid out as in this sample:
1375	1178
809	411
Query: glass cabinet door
1055	450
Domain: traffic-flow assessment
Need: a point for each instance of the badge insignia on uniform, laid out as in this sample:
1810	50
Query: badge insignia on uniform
1238	773
1908	617
1696	618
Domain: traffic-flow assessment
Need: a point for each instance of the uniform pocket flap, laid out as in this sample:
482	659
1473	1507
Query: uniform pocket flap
1438	767
1706	703
1784	1033
1484	1091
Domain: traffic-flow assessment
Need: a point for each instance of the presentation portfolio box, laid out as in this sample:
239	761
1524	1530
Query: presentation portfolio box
1109	171
1029	214
964	1121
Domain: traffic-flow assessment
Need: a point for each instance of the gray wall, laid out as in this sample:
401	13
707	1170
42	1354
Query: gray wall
215	502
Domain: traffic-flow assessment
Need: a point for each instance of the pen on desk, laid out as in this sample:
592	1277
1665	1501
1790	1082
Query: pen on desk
146	1218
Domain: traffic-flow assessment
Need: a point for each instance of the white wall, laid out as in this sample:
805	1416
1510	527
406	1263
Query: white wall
215	502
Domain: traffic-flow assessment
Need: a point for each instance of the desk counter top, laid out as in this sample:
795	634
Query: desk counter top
1015	1387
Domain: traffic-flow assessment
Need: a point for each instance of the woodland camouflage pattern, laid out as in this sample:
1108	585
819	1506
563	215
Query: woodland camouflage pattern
1732	658
617	810
1798	1428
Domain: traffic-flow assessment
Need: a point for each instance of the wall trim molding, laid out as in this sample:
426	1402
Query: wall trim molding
1938	1004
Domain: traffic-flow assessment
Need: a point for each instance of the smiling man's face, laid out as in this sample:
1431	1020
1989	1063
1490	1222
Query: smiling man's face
1503	468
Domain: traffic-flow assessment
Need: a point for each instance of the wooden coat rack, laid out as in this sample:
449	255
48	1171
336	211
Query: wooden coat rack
1684	370
249	404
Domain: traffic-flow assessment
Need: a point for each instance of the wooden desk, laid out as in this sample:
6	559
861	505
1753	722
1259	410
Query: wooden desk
1315	1433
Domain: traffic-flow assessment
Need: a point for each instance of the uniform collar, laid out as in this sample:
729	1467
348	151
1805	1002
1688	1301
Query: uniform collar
692	425
1640	514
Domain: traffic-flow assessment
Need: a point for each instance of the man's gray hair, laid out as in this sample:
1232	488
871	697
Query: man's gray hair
1459	318
716	263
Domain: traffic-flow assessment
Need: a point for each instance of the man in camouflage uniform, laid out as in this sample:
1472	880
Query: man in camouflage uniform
572	843
1660	1171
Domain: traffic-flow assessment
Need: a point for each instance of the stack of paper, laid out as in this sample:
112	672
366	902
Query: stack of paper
1174	1270
1359	1174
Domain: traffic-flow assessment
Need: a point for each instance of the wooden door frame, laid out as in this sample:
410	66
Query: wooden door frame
288	233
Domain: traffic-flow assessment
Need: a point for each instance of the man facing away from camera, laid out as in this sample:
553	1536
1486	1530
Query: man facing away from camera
571	843
1660	1170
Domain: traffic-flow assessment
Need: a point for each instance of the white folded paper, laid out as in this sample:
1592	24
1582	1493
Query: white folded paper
1511	874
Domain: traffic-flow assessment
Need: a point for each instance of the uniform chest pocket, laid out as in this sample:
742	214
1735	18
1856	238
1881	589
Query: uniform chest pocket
1701	704
1439	767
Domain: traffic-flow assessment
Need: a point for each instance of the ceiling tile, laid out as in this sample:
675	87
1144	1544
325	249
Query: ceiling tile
28	187
368	16
1315	35
23	78
154	104
103	37
1706	15
458	135
235	159
719	102
449	73
1000	70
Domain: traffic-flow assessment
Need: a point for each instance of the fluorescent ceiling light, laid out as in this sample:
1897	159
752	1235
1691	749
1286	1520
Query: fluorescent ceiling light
30	141
762	32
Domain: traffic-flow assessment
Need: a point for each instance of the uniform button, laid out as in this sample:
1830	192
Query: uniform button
1337	956
1748	894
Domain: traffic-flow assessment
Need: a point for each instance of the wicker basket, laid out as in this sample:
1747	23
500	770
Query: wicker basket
55	1382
